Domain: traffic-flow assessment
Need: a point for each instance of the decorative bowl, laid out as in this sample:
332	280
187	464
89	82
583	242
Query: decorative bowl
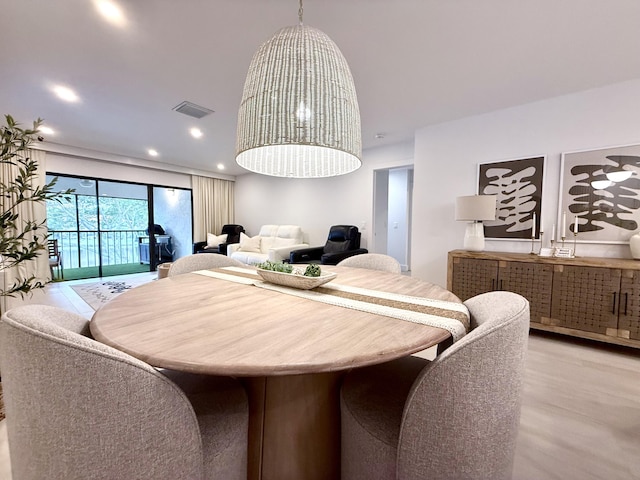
295	280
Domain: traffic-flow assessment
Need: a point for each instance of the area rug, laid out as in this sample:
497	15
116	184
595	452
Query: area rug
97	294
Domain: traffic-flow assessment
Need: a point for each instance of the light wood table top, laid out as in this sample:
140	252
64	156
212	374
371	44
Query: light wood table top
201	324
291	352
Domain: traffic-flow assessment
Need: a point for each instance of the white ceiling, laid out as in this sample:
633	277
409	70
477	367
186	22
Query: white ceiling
415	63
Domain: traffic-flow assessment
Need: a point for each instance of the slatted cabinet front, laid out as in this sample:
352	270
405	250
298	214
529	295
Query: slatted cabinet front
586	298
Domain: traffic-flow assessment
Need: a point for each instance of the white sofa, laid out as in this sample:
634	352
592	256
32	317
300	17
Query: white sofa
273	242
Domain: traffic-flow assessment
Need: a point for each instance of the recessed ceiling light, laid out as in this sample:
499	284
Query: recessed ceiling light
196	132
152	152
46	130
111	12
65	93
220	166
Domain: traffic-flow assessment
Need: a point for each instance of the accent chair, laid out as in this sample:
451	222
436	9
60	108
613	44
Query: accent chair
373	261
78	409
456	417
201	261
343	242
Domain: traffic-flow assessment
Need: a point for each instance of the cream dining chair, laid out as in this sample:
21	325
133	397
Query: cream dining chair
78	409
201	261
373	261
453	418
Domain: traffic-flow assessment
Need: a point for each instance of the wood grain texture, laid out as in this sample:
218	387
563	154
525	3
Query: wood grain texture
290	351
201	324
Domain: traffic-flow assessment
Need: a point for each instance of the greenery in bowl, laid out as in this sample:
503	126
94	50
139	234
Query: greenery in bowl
310	271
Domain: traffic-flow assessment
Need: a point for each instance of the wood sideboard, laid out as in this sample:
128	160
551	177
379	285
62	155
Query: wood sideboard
587	297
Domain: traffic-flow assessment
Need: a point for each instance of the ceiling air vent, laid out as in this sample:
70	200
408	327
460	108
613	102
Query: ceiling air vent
192	110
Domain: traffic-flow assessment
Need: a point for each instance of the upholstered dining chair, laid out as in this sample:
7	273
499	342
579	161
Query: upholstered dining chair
453	418
201	261
373	261
78	409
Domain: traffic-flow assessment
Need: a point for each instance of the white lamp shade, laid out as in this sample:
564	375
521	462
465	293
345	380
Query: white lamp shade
299	112
476	207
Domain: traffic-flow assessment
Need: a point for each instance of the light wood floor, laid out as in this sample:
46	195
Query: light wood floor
580	414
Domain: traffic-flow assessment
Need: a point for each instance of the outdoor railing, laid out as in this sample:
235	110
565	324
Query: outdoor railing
82	249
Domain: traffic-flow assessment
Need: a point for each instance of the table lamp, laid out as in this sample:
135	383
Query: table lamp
474	209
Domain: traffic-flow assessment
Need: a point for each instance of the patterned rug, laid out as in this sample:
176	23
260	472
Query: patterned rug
97	294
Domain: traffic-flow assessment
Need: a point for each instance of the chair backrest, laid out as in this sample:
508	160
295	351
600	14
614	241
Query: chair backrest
461	418
53	247
342	238
233	232
201	261
79	409
373	261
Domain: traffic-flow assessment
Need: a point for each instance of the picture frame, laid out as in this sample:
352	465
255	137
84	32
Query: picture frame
518	185
605	214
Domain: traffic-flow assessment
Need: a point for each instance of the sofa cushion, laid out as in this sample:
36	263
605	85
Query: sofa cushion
275	242
249	244
215	240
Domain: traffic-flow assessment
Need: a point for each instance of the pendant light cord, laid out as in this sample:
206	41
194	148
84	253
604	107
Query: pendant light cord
300	12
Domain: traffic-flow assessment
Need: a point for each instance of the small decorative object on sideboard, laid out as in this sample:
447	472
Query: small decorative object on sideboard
634	243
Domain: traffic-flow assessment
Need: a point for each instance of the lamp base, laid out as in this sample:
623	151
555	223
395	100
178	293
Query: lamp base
474	237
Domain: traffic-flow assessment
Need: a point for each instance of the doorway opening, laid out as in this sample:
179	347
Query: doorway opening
392	206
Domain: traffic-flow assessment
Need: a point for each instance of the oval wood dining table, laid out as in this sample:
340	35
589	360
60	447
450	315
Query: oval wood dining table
289	351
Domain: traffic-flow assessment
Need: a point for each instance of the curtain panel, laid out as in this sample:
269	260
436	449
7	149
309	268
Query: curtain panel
213	205
37	212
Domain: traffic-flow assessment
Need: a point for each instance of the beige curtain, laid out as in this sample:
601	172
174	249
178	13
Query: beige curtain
213	205
39	267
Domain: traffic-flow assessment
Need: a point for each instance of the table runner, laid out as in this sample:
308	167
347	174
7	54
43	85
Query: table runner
451	316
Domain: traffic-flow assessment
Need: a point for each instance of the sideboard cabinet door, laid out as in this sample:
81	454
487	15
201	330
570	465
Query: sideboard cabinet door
531	280
473	276
586	298
629	318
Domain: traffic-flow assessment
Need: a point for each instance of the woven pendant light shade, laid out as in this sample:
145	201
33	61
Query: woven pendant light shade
299	113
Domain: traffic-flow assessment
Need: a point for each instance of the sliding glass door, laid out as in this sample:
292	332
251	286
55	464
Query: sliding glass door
104	229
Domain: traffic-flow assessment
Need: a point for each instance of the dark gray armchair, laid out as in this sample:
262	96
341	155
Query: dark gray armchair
343	242
233	236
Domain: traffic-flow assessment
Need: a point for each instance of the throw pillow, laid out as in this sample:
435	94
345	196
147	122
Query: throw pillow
249	244
214	240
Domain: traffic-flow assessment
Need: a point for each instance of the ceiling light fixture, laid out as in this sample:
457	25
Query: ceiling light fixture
152	152
65	93
196	132
220	166
46	130
299	112
111	12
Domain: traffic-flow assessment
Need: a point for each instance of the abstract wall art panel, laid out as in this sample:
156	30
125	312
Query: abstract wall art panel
518	185
601	189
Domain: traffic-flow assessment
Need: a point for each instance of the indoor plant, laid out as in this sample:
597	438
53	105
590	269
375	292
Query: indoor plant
21	239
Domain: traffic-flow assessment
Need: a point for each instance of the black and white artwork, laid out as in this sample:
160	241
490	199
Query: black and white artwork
600	190
518	185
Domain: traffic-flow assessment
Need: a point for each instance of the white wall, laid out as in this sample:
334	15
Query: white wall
316	204
446	158
88	167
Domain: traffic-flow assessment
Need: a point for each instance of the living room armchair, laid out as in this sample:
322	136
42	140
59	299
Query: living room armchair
343	242
212	245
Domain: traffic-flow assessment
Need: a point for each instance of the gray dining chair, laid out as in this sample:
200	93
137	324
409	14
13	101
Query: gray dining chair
201	261
373	261
78	409
455	417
